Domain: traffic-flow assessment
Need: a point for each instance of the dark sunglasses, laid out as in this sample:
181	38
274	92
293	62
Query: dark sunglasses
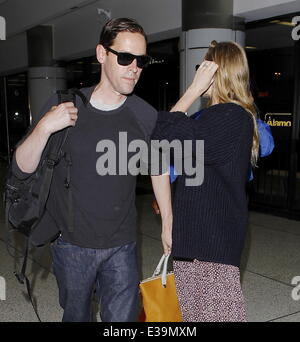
126	58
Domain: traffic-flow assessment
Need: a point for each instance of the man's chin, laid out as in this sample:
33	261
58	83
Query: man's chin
123	92
127	92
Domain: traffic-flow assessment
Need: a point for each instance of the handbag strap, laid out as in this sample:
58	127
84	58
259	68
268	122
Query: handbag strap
163	261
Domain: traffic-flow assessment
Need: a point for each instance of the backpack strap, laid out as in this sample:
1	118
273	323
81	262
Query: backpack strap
67	185
22	276
79	93
70	95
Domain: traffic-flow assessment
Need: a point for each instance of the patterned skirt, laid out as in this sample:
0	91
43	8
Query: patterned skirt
209	292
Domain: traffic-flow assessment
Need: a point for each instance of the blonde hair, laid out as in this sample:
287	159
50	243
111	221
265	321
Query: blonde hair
231	83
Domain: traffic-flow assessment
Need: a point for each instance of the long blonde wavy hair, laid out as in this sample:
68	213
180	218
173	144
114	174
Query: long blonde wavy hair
232	84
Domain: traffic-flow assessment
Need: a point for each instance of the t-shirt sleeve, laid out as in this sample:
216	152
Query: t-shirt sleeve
146	117
52	101
220	130
145	114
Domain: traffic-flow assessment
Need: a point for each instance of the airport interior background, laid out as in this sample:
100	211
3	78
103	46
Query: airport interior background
274	78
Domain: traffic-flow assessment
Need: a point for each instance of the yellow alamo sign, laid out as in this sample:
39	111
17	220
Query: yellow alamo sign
279	119
276	123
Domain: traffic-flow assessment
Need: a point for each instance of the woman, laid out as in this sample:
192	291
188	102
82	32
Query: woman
207	231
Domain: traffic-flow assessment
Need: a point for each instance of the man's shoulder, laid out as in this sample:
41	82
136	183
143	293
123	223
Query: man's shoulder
137	103
86	90
145	114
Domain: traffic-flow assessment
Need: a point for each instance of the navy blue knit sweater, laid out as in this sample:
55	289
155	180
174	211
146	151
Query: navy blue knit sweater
210	220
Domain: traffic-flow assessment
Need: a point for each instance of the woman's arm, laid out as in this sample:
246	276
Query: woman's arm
202	81
162	191
161	184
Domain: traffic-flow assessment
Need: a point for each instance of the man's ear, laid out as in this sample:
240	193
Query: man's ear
100	53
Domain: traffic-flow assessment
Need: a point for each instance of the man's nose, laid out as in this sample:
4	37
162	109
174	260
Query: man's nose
133	66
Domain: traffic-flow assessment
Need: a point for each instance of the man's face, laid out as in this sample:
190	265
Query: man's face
119	78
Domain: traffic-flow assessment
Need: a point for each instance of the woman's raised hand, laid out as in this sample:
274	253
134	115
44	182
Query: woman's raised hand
204	77
202	81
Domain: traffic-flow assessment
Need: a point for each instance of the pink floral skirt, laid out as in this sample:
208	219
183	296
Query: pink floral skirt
209	292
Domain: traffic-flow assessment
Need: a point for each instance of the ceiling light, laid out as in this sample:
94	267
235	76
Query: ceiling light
284	23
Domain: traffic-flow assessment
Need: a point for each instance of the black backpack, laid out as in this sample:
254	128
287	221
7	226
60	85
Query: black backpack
25	200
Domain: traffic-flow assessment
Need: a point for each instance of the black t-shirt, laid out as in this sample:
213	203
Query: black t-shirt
103	205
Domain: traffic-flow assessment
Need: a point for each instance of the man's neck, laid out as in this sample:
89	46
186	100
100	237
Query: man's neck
106	95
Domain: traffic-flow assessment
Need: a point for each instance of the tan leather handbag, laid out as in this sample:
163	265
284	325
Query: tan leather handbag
160	301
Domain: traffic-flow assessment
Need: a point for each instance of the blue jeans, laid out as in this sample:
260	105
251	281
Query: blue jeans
112	273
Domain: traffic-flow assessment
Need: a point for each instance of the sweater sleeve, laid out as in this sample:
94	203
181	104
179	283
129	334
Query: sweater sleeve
52	101
220	127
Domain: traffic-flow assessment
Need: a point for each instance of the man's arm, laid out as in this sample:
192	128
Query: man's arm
162	191
29	153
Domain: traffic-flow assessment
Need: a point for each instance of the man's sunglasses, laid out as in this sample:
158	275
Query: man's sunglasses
126	58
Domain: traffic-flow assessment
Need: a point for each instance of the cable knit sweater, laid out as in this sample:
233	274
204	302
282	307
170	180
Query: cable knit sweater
210	220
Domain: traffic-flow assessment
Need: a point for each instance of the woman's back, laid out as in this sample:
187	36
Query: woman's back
210	220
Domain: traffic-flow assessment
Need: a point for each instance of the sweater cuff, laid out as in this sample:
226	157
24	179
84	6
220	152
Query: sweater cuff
170	117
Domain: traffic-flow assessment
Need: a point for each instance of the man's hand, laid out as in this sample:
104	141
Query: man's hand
28	154
59	117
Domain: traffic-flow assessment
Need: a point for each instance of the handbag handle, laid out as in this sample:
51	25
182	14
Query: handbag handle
164	260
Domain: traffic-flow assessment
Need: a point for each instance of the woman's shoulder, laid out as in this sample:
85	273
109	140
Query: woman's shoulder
229	110
228	106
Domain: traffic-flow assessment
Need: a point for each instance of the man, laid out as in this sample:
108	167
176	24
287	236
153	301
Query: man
99	252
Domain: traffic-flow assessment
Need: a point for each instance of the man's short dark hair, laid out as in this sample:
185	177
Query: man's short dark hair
117	25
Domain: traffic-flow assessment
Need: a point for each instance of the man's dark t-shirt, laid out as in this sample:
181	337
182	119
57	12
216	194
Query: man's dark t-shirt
103	205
